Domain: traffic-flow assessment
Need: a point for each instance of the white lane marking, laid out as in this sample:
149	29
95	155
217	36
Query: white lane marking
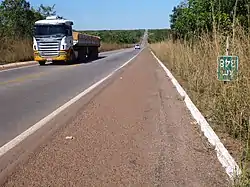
22	67
110	53
14	142
226	160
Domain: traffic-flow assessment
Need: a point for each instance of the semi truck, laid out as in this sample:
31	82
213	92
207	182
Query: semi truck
55	40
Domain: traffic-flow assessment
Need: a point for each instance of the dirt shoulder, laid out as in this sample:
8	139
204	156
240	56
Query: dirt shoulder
136	132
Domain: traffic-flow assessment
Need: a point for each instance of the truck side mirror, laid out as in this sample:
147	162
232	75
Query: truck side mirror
69	32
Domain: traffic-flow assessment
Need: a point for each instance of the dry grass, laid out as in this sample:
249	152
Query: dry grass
15	50
113	46
21	50
225	106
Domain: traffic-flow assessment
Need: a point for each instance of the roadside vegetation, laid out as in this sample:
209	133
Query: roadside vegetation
17	18
117	39
113	46
158	35
16	24
199	29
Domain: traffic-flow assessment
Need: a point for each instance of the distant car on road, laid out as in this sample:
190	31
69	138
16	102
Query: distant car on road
137	46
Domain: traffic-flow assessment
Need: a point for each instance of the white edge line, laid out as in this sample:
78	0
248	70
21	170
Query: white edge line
227	161
14	142
15	67
27	64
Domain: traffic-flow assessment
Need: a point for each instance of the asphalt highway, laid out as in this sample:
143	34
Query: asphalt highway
29	94
134	130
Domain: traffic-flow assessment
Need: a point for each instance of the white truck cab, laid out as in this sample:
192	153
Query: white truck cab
53	41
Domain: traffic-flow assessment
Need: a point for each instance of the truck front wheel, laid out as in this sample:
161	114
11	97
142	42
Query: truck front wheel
42	63
72	58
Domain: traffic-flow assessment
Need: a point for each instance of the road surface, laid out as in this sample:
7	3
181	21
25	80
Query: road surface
31	93
132	131
135	132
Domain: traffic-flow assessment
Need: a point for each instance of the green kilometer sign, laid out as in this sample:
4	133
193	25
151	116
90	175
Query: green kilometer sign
227	68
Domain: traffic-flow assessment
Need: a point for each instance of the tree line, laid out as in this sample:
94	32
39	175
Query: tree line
158	35
193	17
17	18
118	36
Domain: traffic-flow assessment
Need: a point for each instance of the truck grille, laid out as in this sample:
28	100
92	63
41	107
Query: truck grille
48	48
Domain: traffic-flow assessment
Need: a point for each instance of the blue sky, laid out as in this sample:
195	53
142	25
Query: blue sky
113	14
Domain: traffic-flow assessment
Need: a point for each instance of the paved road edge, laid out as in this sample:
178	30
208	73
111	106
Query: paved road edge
31	130
17	64
227	161
27	63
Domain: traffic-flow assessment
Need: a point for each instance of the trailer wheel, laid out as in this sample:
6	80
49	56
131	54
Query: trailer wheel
42	63
94	53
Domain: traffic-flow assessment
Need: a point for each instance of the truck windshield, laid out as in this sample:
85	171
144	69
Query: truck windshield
40	30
